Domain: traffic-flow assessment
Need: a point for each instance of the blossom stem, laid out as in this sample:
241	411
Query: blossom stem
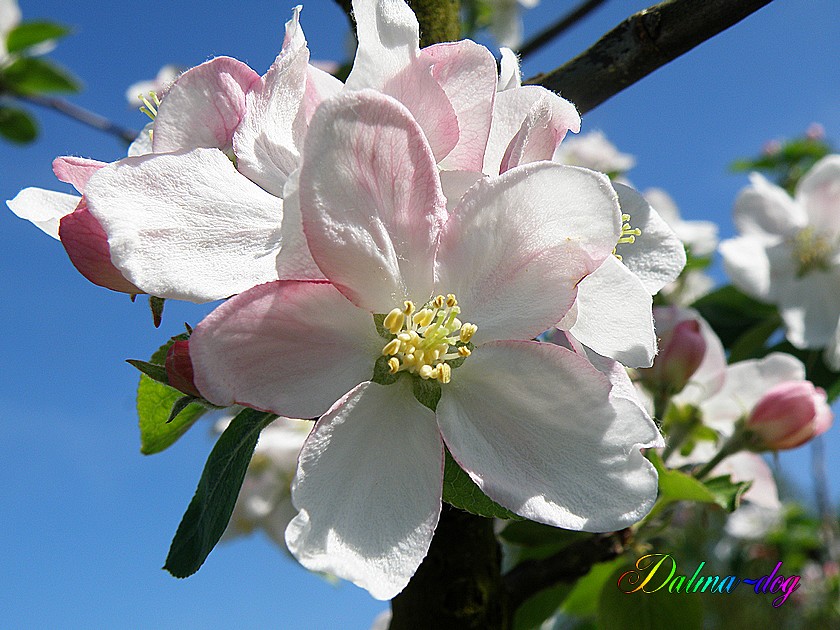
739	440
79	114
558	28
641	44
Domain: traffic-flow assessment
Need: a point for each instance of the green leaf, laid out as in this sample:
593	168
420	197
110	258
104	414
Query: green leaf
731	313
152	370
29	34
154	406
530	534
535	610
16	125
426	391
586	593
750	343
182	403
648	611
459	490
677	486
727	493
31	75
209	511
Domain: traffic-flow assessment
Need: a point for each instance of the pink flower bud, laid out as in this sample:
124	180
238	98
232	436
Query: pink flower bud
681	352
179	368
789	415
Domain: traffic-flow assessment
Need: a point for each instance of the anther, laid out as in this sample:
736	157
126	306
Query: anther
424	317
393	321
393	347
450	300
467	332
408	307
464	351
426	371
393	365
439	301
444	372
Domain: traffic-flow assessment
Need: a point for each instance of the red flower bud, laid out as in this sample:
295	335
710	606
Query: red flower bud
789	415
179	369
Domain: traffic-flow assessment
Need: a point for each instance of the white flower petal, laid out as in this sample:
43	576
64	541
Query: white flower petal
368	489
187	226
294	262
292	348
388	36
516	247
810	307
371	200
658	255
534	426
510	76
818	193
614	315
764	209
44	208
747	265
266	142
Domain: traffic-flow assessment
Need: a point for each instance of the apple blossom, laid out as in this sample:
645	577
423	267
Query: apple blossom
593	150
137	93
510	410
788	254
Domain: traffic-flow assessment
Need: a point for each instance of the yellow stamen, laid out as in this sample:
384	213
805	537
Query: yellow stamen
392	347
393	321
464	351
467	332
394	365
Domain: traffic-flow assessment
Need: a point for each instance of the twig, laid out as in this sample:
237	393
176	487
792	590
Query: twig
641	44
572	562
558	28
79	114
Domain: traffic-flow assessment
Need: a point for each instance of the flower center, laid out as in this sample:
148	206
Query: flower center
422	339
150	104
812	251
628	234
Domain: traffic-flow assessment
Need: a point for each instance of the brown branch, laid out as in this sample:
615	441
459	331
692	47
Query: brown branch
571	563
79	114
641	44
558	28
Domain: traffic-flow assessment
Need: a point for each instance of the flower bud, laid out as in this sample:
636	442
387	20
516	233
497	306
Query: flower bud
681	352
179	369
789	415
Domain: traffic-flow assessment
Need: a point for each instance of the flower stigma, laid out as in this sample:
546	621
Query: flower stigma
150	104
628	234
812	251
424	341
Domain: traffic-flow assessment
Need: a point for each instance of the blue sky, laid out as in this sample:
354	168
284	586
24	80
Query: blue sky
87	519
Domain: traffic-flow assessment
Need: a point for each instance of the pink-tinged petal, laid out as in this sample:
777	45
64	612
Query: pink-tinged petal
87	246
292	348
368	488
75	170
516	247
320	86
467	73
546	124
204	106
657	256
44	208
510	110
267	142
614	315
819	194
371	200
456	183
417	89
746	382
747	466
534	426
389	38
294	262
187	225
766	210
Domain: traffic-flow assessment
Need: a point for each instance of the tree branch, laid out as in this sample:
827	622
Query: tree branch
78	114
572	562
558	28
641	44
